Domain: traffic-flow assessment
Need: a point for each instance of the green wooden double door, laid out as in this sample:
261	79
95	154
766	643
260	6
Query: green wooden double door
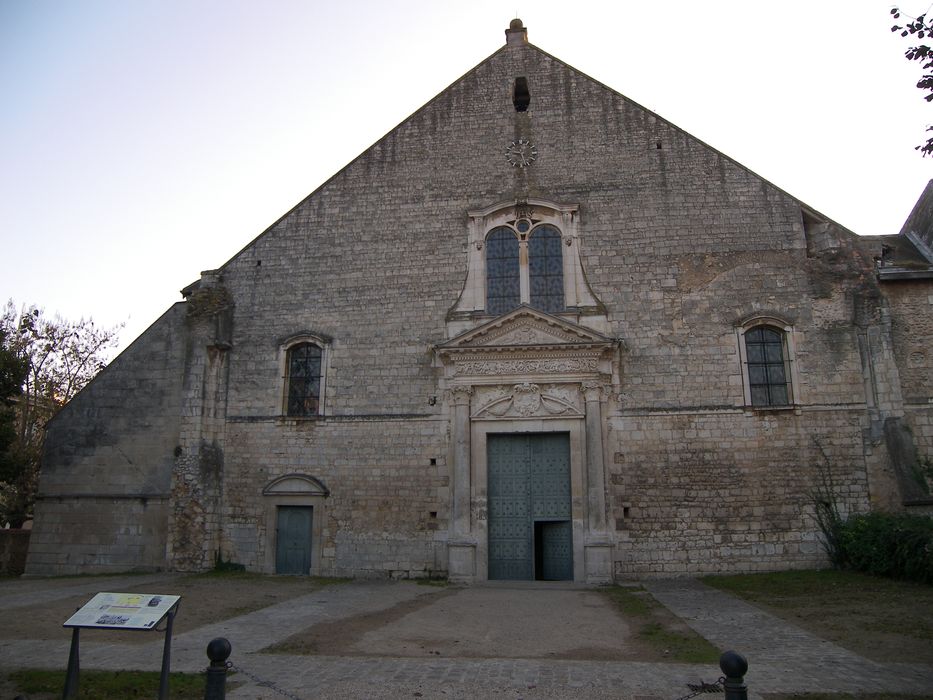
528	498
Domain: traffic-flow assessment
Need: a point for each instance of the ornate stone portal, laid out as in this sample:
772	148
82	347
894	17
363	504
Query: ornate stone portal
528	372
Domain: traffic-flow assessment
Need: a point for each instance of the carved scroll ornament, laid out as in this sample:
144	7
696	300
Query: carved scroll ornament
528	400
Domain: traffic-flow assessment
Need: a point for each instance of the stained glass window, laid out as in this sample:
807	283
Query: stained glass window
304	380
503	290
767	375
546	269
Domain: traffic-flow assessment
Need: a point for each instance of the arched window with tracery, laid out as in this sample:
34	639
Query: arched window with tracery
524	265
546	269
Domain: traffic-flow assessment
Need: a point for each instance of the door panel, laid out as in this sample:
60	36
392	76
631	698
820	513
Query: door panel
528	489
557	551
293	540
509	501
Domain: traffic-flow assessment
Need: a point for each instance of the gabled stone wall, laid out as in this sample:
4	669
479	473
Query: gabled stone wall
104	487
678	247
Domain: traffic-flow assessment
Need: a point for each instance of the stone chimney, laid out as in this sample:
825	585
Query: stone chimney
517	33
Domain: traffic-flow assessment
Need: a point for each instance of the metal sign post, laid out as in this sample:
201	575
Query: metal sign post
122	611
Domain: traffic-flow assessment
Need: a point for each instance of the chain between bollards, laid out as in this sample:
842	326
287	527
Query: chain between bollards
218	651
734	666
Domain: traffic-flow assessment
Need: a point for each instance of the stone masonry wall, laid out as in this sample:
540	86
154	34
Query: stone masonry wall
911	306
387	503
104	483
912	328
678	242
198	470
711	493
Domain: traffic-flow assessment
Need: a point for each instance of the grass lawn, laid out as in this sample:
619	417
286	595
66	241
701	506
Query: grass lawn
655	625
105	685
881	619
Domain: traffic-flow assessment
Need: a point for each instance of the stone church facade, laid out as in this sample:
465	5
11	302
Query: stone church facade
582	346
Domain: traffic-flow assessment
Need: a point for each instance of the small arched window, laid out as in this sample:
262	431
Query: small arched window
503	289
767	367
546	269
303	380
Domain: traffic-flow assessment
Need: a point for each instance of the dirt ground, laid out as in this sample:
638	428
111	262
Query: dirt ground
461	623
205	599
881	619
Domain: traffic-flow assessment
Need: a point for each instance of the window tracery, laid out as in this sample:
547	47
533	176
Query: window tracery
767	352
524	265
546	269
503	288
550	274
303	379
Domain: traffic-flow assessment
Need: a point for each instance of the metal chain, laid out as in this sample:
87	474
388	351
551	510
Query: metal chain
261	681
702	688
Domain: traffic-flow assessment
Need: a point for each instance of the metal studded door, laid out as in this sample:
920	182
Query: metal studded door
529	507
556	551
293	540
509	504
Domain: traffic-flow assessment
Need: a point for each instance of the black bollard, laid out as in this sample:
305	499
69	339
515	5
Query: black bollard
218	651
734	666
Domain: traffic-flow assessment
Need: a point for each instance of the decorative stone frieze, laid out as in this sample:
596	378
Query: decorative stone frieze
527	400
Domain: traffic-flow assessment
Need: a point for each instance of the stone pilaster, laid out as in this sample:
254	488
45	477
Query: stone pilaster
461	548
597	544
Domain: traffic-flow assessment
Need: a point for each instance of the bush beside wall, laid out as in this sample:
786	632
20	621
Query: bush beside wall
886	544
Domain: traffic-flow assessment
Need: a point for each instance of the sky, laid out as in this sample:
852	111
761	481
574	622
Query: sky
144	141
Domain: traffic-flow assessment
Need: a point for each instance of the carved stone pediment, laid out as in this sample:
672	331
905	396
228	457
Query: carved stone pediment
525	327
526	344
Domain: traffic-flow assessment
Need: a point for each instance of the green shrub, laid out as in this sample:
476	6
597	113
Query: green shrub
886	544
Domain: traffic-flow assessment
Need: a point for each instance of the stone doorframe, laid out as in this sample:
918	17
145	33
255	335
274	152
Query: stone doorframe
294	490
528	372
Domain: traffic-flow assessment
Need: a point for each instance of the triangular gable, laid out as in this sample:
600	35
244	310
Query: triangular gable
522	328
469	75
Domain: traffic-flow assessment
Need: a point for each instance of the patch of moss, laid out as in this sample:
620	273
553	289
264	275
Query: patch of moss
656	625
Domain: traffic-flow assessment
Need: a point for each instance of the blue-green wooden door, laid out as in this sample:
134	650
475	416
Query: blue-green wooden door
528	492
293	540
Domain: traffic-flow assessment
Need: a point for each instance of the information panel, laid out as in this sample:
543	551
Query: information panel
125	611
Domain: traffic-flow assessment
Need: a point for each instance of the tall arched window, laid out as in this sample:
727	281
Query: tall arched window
546	269
303	380
503	290
524	265
766	364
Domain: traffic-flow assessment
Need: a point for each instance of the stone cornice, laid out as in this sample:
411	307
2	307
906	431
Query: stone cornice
512	351
529	330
